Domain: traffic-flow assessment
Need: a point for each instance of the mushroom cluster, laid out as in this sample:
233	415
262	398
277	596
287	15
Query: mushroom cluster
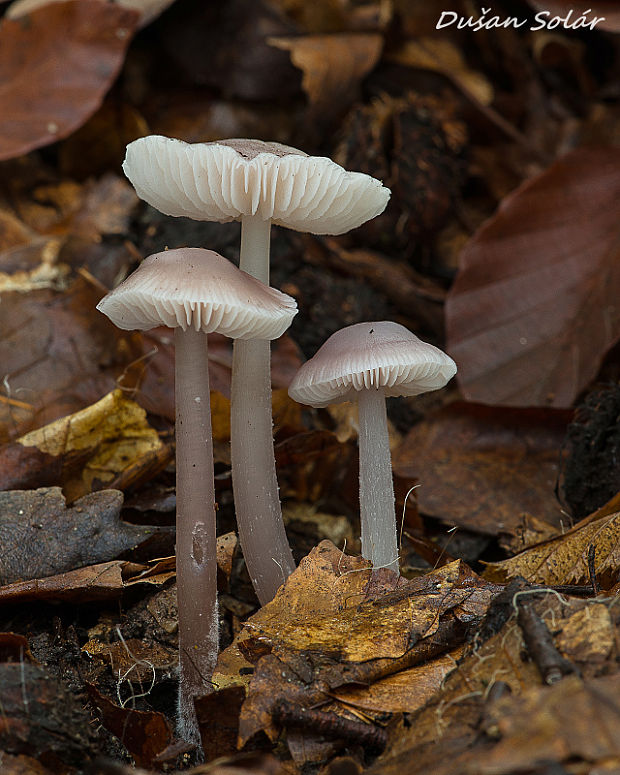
257	183
196	291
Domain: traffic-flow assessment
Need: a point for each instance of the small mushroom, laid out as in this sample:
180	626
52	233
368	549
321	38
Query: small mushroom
365	363
196	291
258	183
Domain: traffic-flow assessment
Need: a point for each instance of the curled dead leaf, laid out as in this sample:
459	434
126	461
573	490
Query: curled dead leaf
108	437
333	66
564	559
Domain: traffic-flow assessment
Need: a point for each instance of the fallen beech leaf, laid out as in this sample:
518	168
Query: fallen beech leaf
324	606
593	8
57	355
574	720
404	692
105	581
442	56
145	734
564	559
527	532
40	536
481	467
41	717
451	722
218	721
534	307
588	635
333	66
95	582
109	437
300	659
46	96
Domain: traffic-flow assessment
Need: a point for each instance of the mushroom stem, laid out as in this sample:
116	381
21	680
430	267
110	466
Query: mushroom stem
267	554
255	241
196	564
377	510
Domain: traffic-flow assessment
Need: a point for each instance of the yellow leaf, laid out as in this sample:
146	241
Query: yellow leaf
564	559
109	436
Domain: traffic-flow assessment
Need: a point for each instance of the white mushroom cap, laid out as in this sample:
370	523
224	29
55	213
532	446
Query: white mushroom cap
226	180
371	355
193	287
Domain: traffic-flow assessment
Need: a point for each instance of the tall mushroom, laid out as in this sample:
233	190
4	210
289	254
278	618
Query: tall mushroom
259	184
196	291
365	363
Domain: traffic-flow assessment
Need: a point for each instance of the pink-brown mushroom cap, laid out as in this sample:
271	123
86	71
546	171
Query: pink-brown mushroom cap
371	355
193	287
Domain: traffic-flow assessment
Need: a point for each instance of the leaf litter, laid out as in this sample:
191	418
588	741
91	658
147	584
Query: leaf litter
482	138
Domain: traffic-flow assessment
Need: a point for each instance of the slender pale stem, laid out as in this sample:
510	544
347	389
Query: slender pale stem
196	566
255	487
255	242
377	510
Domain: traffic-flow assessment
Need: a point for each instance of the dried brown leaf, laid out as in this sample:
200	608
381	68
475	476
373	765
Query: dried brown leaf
145	734
108	437
481	467
534	306
333	66
49	90
404	692
41	537
442	56
445	738
57	354
324	606
564	559
95	582
572	720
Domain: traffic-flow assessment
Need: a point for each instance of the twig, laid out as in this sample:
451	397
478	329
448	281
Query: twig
330	725
593	580
551	664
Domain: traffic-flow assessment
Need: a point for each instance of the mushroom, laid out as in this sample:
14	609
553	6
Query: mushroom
367	362
196	291
259	184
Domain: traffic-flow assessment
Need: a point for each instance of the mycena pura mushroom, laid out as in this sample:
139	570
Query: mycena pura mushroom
258	183
196	292
365	363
